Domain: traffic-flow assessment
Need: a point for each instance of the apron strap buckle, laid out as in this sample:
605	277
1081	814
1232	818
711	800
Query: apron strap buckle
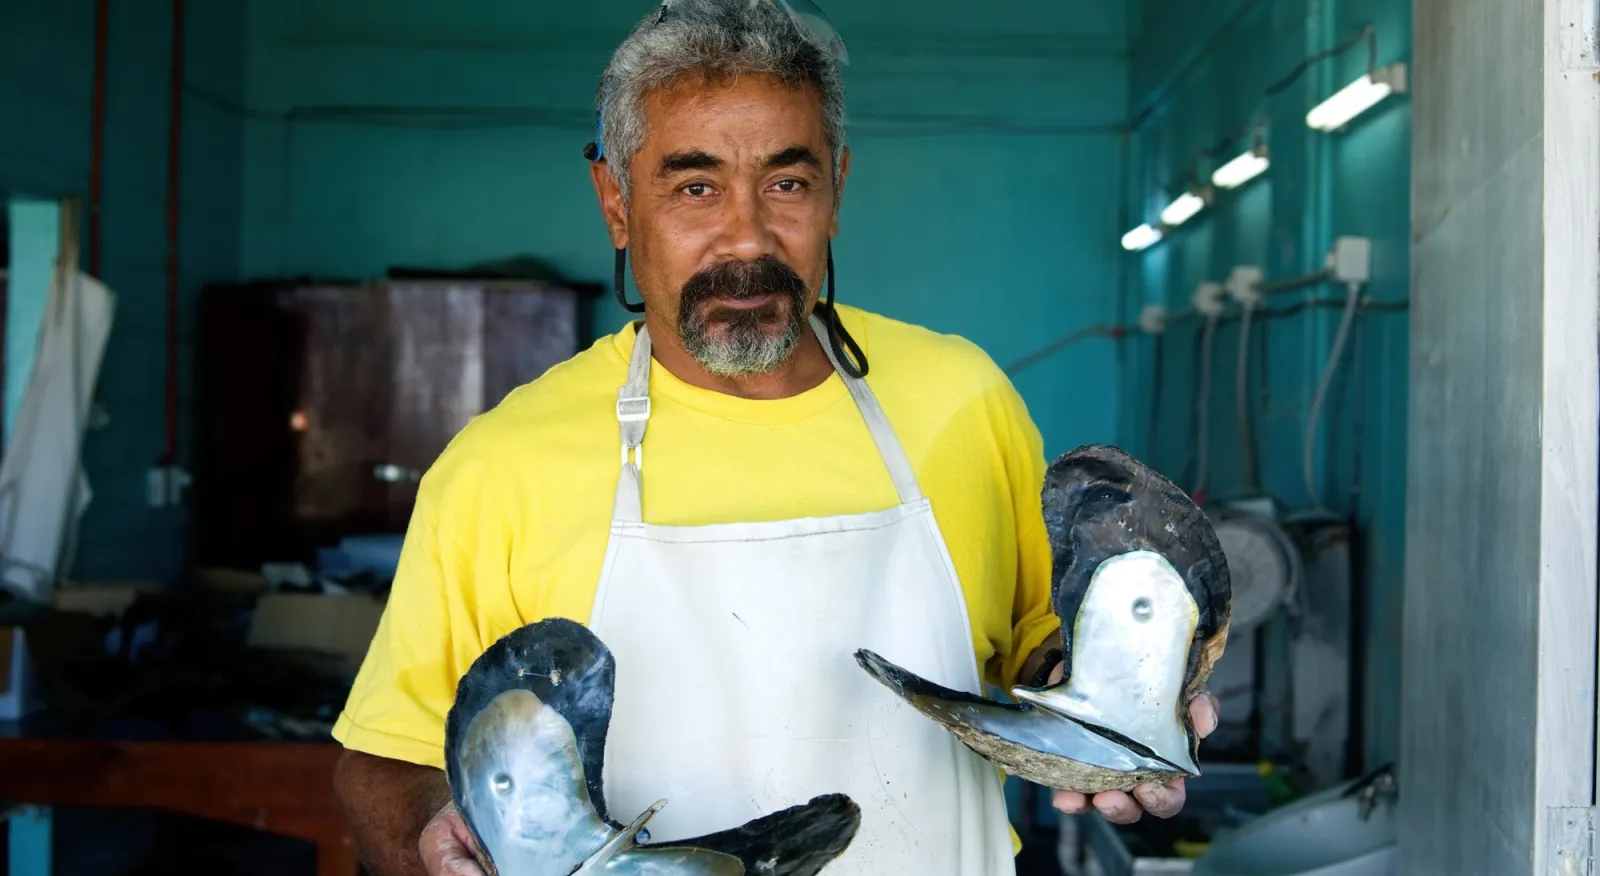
632	412
638	455
633	409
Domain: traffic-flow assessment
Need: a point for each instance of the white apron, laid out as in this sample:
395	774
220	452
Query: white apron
738	693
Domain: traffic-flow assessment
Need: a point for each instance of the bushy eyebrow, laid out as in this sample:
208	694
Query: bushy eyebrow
794	156
697	159
677	162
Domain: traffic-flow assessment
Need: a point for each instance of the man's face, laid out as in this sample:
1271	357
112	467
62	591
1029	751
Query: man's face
733	205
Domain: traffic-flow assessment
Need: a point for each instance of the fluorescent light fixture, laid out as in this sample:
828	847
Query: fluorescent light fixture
1140	238
1183	209
1241	170
1356	98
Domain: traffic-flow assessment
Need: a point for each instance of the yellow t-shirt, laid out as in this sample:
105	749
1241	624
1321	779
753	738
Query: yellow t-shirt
511	521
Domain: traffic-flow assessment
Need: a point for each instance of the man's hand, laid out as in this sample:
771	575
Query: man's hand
388	804
1162	801
447	847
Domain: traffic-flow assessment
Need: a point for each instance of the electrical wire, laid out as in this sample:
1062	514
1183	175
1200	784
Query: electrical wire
1359	599
1289	284
1263	387
1241	403
1196	61
1358	363
1202	406
582	119
1309	446
1256	118
1157	366
1353	305
1367	33
511	117
1186	471
1116	332
1062	342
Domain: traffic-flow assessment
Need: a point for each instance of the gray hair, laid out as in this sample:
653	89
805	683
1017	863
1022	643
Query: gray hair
713	40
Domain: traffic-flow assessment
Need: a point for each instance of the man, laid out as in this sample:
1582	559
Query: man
788	510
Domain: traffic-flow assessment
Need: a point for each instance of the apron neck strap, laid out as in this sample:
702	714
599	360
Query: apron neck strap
894	456
633	415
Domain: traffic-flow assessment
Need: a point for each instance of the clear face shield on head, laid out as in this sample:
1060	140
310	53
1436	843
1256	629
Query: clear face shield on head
807	16
810	18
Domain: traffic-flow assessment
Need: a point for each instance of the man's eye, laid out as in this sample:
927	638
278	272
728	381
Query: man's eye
697	190
791	185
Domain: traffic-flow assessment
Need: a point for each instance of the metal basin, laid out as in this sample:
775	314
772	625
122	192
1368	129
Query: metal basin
1324	834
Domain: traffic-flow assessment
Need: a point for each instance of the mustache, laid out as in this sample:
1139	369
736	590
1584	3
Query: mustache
737	280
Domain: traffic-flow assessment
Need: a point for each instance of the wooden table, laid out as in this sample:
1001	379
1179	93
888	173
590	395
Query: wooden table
281	787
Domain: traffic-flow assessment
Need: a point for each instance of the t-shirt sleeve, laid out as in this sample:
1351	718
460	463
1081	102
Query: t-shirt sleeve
425	640
1033	619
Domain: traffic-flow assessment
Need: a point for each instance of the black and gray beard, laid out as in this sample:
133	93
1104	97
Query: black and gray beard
738	343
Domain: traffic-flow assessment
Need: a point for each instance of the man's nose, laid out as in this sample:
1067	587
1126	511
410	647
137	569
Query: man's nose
746	230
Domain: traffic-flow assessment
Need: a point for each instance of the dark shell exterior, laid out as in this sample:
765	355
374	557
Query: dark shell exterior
1099	501
569	669
1026	741
798	841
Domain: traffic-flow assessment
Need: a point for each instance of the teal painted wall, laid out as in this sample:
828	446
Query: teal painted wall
340	136
34	226
46	79
1202	69
984	199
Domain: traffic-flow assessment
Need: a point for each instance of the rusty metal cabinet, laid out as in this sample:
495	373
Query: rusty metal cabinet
320	404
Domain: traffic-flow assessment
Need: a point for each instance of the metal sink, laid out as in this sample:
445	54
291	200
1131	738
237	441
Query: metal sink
1218	801
1346	830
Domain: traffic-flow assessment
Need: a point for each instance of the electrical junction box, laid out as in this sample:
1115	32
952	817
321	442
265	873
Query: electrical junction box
1208	299
1350	259
1244	284
1394	76
1153	319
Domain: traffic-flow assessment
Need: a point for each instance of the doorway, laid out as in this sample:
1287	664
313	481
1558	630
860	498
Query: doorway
32	240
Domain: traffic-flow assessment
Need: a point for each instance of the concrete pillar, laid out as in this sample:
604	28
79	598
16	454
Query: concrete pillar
1498	680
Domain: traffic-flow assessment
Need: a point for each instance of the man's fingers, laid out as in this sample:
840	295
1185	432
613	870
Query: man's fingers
1204	711
457	862
446	846
465	843
450	858
1117	807
1071	802
1162	801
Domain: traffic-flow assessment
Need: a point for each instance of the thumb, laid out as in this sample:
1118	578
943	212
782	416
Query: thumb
447	846
1205	712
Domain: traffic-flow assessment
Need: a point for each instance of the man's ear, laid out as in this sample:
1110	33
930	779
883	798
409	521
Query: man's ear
611	206
838	190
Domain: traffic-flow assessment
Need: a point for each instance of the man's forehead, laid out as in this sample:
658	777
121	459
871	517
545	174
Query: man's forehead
747	120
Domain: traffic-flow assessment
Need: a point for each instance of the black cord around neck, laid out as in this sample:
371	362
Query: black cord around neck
622	284
837	333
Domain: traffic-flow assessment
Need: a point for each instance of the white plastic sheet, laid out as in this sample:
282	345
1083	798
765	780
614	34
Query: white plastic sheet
43	489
